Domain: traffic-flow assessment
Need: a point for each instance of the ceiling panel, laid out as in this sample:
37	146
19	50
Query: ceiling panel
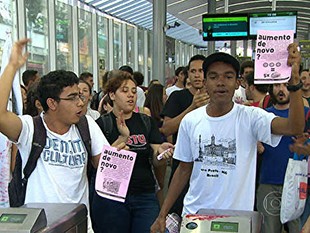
188	13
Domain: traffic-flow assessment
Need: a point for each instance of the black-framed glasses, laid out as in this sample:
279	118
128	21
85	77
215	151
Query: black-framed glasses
74	98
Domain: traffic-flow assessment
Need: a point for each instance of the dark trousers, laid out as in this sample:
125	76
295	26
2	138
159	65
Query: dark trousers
137	214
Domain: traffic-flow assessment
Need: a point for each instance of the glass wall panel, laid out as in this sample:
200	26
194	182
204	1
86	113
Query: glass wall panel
64	36
170	59
102	47
186	51
182	54
149	57
130	46
177	53
37	30
7	32
85	41
7	26
141	58
117	45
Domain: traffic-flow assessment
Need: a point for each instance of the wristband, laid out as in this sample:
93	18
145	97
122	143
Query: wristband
294	88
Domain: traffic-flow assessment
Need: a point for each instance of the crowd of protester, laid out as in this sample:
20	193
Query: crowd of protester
213	100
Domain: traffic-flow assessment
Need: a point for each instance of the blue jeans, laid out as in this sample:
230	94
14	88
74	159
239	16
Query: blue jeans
136	215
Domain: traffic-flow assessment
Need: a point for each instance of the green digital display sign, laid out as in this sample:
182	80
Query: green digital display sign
12	218
225	27
224	227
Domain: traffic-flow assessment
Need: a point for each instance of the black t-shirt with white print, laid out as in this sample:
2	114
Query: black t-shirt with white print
142	179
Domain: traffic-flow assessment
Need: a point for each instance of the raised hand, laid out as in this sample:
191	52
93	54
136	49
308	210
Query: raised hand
301	145
201	98
294	60
18	56
121	126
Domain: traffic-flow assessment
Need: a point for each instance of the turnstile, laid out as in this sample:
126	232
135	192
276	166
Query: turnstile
221	221
44	218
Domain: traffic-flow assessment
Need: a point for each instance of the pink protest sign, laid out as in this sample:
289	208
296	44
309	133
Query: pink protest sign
271	56
114	172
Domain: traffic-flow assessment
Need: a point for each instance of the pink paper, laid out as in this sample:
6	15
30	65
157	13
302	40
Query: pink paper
114	173
271	56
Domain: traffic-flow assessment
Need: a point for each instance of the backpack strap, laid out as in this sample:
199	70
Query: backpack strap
106	123
38	144
83	128
147	122
266	102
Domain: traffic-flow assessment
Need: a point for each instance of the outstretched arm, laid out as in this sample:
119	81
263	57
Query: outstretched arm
179	180
295	123
10	124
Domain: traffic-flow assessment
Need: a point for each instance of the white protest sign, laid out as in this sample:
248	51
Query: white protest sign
271	56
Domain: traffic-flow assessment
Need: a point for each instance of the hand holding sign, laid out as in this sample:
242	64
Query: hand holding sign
294	60
114	173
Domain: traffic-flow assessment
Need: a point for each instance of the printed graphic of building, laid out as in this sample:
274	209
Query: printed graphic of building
223	154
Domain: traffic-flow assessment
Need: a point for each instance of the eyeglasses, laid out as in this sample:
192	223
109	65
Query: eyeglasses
74	98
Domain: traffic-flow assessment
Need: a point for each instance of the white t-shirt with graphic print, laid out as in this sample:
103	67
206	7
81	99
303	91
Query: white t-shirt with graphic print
223	150
60	175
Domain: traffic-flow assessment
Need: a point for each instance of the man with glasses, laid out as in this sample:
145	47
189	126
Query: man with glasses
60	173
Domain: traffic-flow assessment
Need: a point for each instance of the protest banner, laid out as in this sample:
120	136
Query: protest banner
271	56
114	173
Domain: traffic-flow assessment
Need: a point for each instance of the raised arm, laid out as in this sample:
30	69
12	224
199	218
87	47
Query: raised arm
10	124
295	123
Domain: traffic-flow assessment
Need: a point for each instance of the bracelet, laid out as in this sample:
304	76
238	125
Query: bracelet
294	88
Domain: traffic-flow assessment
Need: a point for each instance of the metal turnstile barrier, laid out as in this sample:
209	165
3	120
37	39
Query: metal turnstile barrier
222	221
44	218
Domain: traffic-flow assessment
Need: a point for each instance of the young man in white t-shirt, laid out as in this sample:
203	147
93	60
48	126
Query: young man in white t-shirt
246	68
179	84
216	143
60	173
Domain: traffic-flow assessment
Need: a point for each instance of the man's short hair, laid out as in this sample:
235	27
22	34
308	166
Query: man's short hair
246	64
32	97
262	88
197	57
85	75
139	77
126	68
303	70
179	70
221	57
52	84
185	72
29	75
